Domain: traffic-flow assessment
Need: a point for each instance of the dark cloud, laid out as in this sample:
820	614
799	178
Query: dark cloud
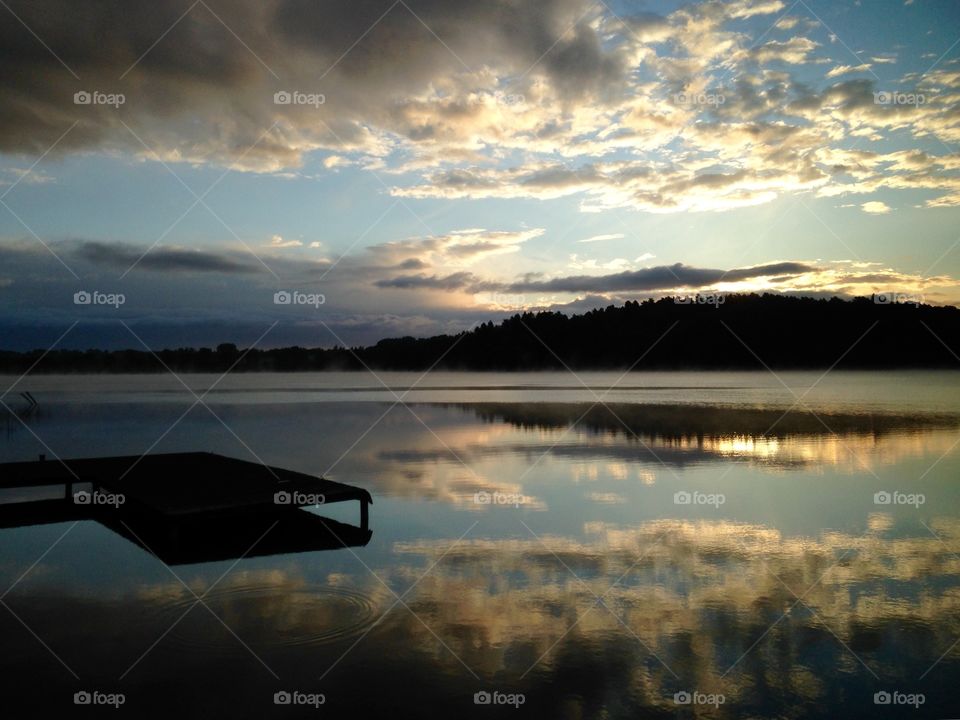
180	305
560	177
850	95
454	281
201	86
647	24
90	47
648	279
165	259
413	264
202	298
557	33
656	278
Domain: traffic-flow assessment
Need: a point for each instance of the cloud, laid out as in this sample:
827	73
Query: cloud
750	8
844	69
625	184
600	238
200	87
165	259
190	298
454	281
900	170
28	176
875	207
335	161
788	22
457	248
586	291
657	278
461	99
794	51
178	297
277	241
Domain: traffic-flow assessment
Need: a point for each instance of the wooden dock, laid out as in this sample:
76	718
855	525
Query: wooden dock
184	507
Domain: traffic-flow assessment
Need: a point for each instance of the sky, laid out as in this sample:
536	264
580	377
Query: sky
278	172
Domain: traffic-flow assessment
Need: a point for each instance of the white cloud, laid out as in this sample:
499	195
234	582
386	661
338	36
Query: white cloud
788	22
335	161
845	69
600	238
26	176
875	207
745	8
277	241
458	248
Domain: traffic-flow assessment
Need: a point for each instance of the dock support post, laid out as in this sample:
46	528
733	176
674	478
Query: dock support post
364	515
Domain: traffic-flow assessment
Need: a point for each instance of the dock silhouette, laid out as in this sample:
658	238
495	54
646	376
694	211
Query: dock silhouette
184	507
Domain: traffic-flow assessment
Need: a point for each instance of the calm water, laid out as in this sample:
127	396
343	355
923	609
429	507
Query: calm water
526	541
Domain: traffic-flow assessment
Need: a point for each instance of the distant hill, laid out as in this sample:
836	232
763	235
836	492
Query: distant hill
740	331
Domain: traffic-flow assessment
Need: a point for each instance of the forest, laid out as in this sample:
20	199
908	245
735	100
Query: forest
746	331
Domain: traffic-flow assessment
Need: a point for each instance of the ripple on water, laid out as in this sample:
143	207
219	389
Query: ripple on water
270	616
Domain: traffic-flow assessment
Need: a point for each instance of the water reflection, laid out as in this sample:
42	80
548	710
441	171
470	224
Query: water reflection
447	453
272	610
598	596
720	606
457	459
646	610
671	577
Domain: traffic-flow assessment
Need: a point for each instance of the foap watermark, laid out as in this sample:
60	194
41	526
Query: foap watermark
509	99
295	97
895	697
499	498
695	697
95	297
700	98
95	697
295	297
495	697
298	498
99	498
509	300
295	697
899	498
95	97
893	298
715	299
682	497
892	97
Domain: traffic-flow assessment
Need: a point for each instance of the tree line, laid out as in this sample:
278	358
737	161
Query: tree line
743	331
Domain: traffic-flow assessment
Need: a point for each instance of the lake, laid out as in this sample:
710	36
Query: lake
552	545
